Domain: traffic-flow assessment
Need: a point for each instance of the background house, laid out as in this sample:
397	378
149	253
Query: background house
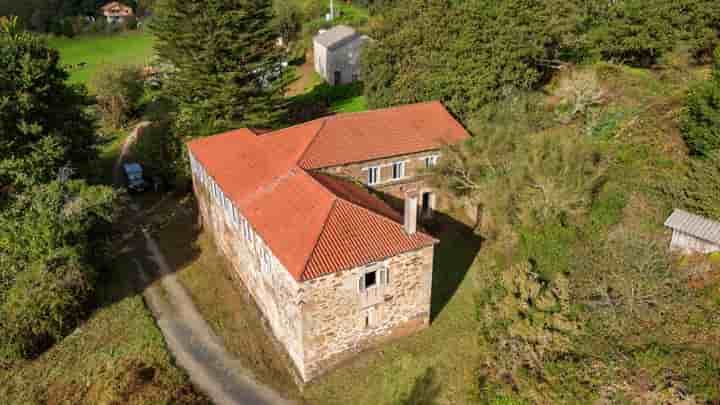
116	12
333	268
693	233
337	54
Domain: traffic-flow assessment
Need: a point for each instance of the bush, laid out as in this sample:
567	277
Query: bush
118	89
51	237
700	122
43	302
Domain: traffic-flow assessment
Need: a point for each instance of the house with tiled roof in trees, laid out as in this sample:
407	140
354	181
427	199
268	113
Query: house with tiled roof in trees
116	12
297	213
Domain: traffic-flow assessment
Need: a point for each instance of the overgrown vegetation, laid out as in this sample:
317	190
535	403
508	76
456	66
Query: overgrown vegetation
701	119
118	90
578	299
466	53
52	227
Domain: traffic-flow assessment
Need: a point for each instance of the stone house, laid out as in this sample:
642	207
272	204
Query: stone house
333	268
337	54
116	12
693	233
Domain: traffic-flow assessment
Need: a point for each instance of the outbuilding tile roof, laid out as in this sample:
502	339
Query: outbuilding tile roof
694	225
314	223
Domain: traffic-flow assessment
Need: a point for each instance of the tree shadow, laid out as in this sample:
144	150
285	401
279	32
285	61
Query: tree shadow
319	102
425	390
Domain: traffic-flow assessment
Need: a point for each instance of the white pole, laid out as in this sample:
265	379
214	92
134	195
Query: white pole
332	10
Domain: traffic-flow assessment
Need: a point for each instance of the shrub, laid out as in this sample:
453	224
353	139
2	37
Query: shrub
42	303
50	238
118	89
700	122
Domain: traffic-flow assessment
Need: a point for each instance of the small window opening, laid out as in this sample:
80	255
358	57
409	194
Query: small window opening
370	279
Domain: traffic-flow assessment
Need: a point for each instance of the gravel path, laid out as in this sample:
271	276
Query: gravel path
192	342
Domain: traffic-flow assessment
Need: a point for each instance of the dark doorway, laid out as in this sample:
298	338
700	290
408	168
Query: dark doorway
425	208
337	77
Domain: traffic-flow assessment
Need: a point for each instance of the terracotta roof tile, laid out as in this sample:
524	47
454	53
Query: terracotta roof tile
317	224
357	137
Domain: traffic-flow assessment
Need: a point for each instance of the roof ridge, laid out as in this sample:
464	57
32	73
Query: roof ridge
317	240
307	147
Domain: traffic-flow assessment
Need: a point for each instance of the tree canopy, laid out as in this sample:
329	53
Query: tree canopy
225	62
467	53
43	120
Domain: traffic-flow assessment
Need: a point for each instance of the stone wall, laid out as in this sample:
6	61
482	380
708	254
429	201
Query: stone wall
274	290
335	311
394	189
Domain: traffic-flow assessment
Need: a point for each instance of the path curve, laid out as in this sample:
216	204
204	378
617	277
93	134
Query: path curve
190	339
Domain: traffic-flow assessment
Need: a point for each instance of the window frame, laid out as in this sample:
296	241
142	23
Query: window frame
401	170
373	176
431	161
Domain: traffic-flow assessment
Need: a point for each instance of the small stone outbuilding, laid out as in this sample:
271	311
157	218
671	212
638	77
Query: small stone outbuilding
693	233
334	268
337	54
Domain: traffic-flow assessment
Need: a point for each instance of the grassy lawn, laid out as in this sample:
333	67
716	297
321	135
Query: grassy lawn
434	366
117	356
322	99
126	48
353	104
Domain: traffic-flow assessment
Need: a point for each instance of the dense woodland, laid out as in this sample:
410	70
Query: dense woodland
591	121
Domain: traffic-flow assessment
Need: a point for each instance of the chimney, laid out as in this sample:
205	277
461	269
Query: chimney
411	205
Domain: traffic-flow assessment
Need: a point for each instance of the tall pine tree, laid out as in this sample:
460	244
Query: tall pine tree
226	67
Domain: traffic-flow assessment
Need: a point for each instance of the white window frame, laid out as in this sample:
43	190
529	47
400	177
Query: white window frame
431	161
382	279
372	180
401	170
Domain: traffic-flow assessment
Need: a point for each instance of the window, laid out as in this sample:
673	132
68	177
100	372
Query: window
373	279
265	260
247	231
373	175
370	279
430	161
398	170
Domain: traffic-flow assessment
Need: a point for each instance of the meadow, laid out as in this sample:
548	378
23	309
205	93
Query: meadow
95	50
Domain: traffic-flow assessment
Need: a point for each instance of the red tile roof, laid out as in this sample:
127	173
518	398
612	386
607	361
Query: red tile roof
317	224
357	137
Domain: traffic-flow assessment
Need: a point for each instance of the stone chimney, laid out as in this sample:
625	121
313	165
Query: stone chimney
411	205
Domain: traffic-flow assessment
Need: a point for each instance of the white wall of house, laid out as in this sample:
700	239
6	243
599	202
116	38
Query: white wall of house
687	243
341	65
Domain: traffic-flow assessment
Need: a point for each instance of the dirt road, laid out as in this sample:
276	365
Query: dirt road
190	339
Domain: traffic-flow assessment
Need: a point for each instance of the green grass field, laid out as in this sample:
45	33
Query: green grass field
130	48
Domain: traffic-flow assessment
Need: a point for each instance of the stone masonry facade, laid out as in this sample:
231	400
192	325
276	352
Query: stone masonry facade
394	191
339	320
324	321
